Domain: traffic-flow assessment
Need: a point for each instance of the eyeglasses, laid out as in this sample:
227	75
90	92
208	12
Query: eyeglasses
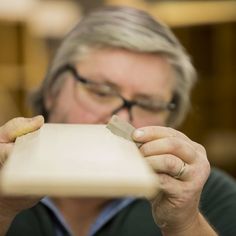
103	96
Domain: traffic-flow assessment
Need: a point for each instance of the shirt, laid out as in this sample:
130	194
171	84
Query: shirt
109	211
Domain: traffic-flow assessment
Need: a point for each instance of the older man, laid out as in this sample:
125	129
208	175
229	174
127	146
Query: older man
119	60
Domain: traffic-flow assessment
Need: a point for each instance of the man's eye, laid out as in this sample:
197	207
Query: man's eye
102	94
151	106
147	107
101	91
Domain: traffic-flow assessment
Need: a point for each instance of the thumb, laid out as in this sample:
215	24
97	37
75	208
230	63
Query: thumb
19	126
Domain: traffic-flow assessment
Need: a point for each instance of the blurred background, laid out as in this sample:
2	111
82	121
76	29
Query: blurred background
30	31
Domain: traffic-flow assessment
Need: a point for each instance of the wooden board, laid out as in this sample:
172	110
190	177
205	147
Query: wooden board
76	160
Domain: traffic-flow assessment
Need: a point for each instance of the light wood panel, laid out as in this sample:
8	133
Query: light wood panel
77	160
185	13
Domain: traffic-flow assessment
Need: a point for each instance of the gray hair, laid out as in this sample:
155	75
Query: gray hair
130	29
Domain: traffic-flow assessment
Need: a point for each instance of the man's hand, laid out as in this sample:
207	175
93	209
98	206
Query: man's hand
183	168
14	128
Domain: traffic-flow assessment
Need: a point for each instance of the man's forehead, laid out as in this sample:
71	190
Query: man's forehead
108	63
142	73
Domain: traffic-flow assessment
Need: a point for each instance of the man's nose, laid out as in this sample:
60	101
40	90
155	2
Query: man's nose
125	114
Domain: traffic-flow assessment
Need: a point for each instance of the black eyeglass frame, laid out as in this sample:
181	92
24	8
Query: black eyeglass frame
127	104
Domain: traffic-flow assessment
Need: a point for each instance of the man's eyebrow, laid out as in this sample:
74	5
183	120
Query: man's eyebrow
113	85
104	80
140	95
148	97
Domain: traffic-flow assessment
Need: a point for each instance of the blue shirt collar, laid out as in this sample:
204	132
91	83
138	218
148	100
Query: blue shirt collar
108	212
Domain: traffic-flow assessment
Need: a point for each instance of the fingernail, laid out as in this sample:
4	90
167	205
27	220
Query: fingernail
138	133
38	117
35	118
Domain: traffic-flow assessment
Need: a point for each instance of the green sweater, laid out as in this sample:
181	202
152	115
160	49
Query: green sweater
218	205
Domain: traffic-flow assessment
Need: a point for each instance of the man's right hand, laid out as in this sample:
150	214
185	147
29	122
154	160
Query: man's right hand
10	206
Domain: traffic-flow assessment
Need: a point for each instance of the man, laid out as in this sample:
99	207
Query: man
119	60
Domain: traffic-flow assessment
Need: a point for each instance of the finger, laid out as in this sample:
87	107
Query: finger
149	133
167	164
170	186
19	126
174	146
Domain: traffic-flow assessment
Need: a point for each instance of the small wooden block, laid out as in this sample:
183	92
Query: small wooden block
76	160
